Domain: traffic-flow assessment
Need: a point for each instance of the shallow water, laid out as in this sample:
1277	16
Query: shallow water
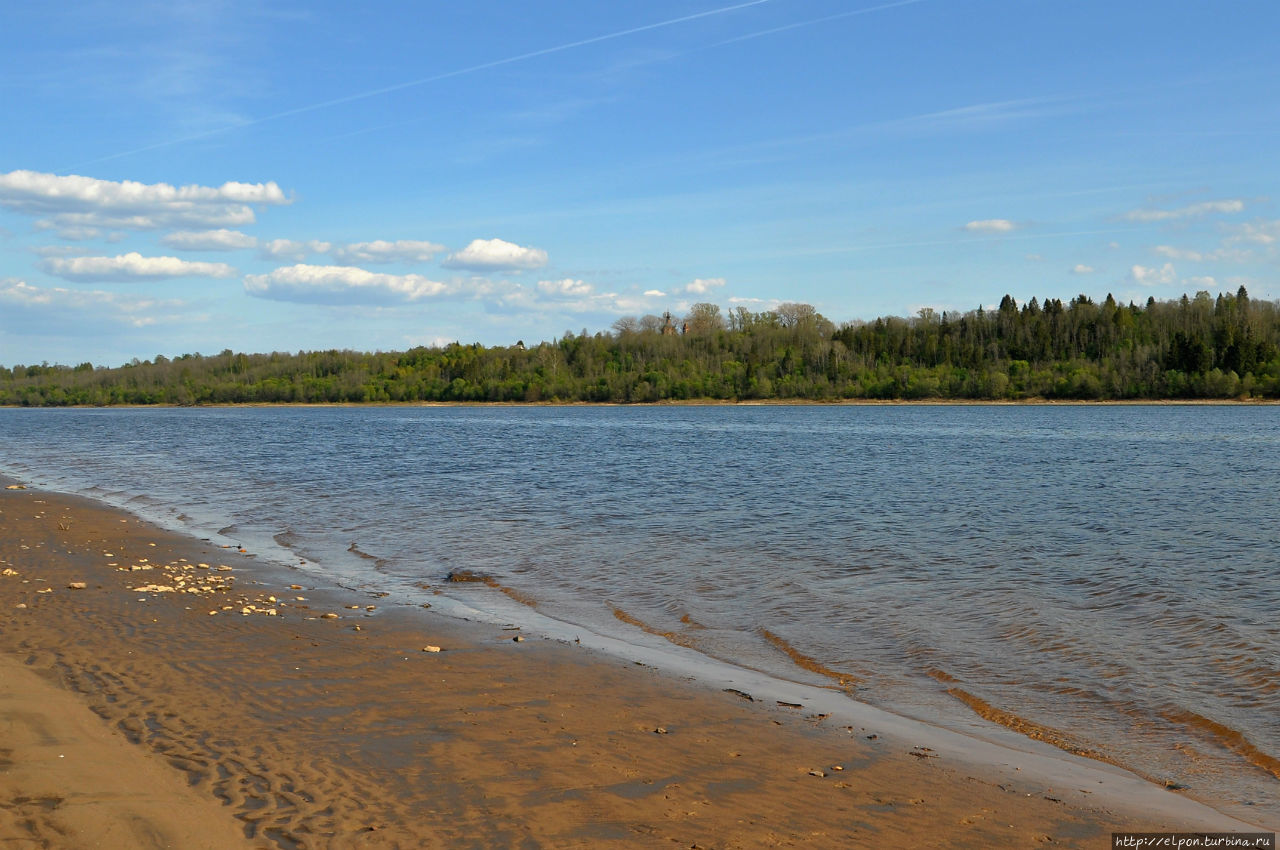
1105	578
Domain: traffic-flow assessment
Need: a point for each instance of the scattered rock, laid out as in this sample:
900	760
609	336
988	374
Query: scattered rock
295	587
742	694
821	774
16	487
1174	786
329	616
790	704
8	572
20	605
837	767
77	585
429	648
518	638
661	730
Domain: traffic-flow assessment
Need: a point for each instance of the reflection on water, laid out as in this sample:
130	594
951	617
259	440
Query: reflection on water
1105	579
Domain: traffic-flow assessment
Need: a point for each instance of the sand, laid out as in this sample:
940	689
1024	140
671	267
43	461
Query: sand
135	718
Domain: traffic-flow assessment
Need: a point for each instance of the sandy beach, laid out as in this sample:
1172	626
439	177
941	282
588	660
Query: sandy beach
161	691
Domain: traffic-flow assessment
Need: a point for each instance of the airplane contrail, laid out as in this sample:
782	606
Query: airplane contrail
866	11
533	54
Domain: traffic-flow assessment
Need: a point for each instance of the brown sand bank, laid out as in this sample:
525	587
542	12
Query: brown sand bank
296	730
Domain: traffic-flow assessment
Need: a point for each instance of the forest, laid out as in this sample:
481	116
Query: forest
1195	347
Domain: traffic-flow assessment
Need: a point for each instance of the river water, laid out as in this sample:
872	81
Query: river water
1103	578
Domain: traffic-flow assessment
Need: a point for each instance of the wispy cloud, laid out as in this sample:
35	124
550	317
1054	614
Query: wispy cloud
1190	211
289	249
1081	268
380	251
991	225
132	267
1257	232
566	288
408	84
64	306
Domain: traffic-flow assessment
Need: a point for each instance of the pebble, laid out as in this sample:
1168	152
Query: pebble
518	638
16	487
20	605
821	774
431	649
77	585
329	616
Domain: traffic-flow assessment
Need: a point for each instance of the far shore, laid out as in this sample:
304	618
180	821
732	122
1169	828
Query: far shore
311	715
857	402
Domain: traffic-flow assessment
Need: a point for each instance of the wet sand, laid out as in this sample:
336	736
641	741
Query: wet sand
134	717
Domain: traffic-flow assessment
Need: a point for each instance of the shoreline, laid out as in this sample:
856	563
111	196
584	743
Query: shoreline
743	756
787	402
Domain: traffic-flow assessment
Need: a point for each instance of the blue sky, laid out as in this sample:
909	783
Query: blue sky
210	174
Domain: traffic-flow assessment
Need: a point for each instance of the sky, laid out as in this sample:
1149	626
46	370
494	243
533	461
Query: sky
269	175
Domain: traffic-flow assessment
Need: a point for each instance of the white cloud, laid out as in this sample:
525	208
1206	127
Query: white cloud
1145	276
1081	268
131	267
1203	282
60	304
991	225
1193	210
492	254
210	240
701	286
79	234
288	249
567	288
342	285
73	201
379	251
654	293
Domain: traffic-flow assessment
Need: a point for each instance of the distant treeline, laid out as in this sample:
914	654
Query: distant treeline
1195	347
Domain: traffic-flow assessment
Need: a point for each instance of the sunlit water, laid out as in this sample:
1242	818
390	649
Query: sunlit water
1109	576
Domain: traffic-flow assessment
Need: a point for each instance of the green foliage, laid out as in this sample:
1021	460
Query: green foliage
1191	348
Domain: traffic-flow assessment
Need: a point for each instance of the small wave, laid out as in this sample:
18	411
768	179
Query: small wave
1021	725
355	550
675	637
806	662
1227	737
468	576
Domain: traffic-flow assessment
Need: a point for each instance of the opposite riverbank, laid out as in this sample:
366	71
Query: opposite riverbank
299	715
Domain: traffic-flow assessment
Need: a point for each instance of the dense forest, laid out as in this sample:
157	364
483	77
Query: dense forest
1195	347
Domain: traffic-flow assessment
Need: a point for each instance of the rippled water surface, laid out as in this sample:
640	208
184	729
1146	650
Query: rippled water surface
1107	578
